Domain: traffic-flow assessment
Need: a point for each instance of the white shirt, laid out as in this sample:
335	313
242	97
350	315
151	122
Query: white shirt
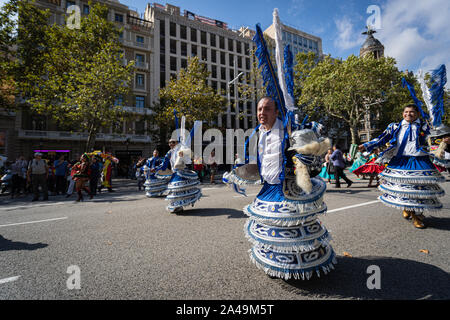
270	152
174	154
410	148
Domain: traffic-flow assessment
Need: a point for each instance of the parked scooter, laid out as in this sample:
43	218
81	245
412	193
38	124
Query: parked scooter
6	181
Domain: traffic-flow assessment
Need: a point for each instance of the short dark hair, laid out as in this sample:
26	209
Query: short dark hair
412	106
269	98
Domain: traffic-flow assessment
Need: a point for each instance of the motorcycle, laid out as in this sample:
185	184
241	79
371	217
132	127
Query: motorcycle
6	181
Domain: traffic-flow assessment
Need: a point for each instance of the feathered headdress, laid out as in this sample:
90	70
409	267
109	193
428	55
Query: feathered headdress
269	75
417	102
434	97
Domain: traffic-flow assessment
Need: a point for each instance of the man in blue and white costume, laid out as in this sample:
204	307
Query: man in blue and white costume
288	239
182	188
410	181
155	183
440	147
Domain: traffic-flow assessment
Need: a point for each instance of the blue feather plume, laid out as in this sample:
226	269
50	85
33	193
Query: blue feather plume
289	70
417	102
176	119
438	81
269	74
176	123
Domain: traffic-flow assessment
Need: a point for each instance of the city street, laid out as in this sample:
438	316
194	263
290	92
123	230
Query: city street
126	246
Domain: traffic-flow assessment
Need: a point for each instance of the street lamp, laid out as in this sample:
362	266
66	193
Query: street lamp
235	93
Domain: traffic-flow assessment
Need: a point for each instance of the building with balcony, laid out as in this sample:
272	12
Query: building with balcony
225	52
126	140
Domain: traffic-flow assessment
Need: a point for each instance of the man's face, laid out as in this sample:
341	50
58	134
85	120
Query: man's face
267	112
410	115
172	144
155	153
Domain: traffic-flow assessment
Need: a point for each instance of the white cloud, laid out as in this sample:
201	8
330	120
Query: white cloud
347	38
415	33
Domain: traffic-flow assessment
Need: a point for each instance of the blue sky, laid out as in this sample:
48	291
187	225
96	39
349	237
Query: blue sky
414	32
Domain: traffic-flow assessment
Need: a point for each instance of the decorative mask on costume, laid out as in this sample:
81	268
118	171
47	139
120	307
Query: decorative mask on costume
307	160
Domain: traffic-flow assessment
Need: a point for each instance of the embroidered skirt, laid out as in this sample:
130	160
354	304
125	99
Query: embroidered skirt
411	183
288	239
156	184
370	169
325	175
358	163
183	189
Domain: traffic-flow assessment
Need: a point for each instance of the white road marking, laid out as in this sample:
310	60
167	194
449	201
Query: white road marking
6	280
354	206
30	222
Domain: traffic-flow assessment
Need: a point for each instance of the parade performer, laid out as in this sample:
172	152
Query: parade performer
327	168
183	188
371	168
80	174
107	171
410	180
156	182
439	142
288	239
360	160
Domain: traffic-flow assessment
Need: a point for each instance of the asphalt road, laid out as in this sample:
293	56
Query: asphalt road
126	246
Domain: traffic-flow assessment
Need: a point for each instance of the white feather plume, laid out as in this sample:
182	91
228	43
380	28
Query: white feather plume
425	93
288	100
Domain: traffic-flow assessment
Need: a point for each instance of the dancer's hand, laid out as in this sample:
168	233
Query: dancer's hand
361	148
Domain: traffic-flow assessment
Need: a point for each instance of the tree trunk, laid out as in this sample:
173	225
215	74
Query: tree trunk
91	138
354	134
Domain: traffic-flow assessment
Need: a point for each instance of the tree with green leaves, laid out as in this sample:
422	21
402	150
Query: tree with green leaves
23	42
190	96
252	88
82	74
347	90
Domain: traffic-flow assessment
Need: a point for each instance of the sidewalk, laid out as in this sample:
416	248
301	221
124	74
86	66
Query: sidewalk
120	186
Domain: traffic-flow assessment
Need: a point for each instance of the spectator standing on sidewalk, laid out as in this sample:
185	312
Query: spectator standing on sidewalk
61	174
38	175
95	175
212	166
15	182
19	176
70	180
339	163
199	168
23	167
51	179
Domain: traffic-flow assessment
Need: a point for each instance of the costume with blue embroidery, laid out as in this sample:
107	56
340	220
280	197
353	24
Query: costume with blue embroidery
410	180
182	188
155	182
288	239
